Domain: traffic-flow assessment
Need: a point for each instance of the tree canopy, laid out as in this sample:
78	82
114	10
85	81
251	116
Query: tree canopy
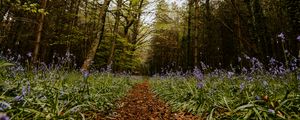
121	35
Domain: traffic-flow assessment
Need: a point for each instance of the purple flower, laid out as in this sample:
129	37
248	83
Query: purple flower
24	91
29	54
28	87
4	105
85	74
257	98
272	61
247	57
3	116
8	51
242	86
298	38
244	70
281	35
108	68
19	98
230	74
198	74
68	54
271	111
293	64
200	85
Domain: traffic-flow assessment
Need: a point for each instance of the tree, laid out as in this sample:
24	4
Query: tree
39	31
115	31
91	54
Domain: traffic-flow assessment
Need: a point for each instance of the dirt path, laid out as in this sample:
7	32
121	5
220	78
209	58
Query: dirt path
141	104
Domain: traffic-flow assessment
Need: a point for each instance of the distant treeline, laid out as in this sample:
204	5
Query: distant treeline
117	34
225	34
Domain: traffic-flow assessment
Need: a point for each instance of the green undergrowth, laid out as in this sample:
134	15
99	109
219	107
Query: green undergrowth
60	95
239	97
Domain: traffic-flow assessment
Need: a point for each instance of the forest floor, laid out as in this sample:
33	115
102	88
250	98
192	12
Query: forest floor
141	104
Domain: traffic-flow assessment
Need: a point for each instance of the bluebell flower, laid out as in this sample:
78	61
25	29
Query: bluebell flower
247	57
242	86
24	91
8	51
200	85
85	74
28	88
257	98
3	116
29	54
244	70
19	98
271	111
108	68
198	74
4	105
68	54
298	38
272	61
281	35
230	74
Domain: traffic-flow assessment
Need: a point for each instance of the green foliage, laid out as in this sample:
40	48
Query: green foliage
60	95
28	6
264	97
5	64
124	57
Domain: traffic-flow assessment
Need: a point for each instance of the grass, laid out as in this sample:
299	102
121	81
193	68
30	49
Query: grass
239	97
60	94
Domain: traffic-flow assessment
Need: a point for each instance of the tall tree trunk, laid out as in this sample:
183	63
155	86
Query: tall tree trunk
196	46
190	5
260	26
115	32
39	32
92	52
207	34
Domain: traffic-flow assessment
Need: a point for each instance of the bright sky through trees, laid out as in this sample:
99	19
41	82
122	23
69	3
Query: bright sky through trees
150	16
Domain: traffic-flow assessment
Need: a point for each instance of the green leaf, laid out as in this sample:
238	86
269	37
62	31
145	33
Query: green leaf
257	113
248	115
5	64
243	107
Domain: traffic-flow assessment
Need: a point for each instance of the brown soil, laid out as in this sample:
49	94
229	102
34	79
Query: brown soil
141	104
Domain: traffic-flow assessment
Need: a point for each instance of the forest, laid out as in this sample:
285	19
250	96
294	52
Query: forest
206	59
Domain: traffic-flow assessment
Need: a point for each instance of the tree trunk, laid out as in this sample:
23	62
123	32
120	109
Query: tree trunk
93	49
196	32
115	32
189	34
207	35
137	22
39	32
